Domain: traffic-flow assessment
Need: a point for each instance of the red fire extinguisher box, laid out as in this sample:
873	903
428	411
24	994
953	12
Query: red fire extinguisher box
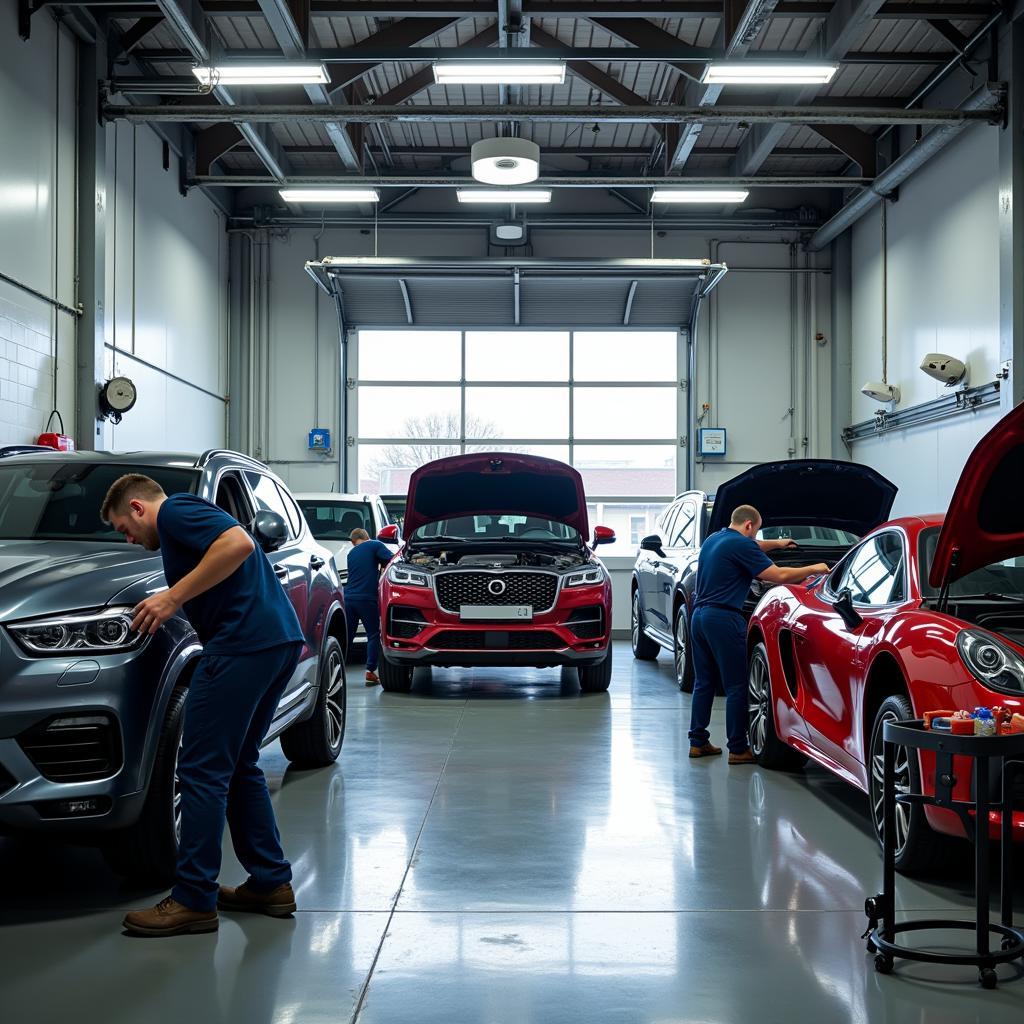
60	441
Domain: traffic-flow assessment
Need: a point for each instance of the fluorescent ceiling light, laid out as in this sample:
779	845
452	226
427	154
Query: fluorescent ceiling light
330	195
504	195
699	195
263	74
509	72
746	73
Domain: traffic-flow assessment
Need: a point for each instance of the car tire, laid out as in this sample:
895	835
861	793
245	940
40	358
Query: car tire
148	850
597	678
762	735
919	849
681	657
316	742
644	648
394	676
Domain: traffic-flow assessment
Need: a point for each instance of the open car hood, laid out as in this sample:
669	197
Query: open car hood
808	492
984	523
496	483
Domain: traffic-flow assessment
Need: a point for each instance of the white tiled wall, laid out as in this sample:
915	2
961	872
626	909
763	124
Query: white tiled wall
26	373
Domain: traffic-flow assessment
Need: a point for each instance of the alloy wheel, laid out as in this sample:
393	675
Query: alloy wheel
758	690
902	773
680	647
176	796
335	709
634	623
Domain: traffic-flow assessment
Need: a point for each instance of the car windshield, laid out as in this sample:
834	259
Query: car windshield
59	500
1001	579
335	520
498	528
810	536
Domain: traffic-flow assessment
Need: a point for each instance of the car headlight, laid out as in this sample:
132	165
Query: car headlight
992	662
584	577
407	577
107	631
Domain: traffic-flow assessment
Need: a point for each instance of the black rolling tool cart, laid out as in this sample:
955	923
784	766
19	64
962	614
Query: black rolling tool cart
1007	753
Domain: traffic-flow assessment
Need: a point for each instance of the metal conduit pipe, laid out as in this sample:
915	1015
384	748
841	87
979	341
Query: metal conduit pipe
988	97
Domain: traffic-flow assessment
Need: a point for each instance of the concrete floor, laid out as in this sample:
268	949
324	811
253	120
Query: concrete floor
496	848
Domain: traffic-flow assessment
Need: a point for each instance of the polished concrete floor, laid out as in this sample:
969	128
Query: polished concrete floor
497	848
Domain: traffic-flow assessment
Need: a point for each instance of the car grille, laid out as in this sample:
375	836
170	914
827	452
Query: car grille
537	589
588	623
477	640
74	748
405	622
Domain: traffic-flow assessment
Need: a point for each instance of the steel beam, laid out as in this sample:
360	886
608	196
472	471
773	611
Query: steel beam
473	114
576	152
407	181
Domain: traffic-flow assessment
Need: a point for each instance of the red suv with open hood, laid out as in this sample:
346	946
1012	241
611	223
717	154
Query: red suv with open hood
496	570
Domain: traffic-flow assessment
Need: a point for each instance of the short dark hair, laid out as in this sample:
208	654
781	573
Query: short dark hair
745	514
358	534
126	488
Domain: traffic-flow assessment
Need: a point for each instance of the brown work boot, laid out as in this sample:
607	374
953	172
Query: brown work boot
745	758
371	678
706	751
169	917
280	902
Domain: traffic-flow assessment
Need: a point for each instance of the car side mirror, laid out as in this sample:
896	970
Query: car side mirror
603	535
652	543
843	606
269	530
388	534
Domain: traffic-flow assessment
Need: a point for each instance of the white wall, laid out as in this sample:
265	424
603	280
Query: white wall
943	296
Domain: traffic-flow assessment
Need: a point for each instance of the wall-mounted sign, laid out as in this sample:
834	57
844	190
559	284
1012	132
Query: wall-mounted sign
711	441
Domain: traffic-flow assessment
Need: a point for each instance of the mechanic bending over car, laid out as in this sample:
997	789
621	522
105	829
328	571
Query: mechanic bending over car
729	561
252	641
364	563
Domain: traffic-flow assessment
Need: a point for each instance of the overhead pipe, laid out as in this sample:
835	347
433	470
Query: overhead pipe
989	97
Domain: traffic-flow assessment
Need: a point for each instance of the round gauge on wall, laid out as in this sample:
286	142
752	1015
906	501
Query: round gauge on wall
117	396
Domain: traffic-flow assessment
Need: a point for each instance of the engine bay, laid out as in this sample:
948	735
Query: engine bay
521	558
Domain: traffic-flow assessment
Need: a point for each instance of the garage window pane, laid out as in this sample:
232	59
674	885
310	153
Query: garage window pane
410	355
386	468
611	413
624	355
409	412
630	521
517	355
517	412
625	469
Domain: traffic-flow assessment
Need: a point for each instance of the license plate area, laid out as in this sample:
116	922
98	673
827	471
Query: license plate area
491	613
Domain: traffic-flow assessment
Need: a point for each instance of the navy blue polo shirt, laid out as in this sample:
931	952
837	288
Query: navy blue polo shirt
363	563
727	565
249	611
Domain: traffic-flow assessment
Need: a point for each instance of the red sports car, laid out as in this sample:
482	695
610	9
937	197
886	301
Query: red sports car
496	570
925	614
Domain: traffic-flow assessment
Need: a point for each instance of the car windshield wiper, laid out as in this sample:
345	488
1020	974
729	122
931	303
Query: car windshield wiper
441	539
989	596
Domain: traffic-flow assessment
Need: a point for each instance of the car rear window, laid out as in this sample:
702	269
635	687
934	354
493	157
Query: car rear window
335	520
57	500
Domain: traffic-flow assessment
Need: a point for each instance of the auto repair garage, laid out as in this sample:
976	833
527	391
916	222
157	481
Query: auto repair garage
666	356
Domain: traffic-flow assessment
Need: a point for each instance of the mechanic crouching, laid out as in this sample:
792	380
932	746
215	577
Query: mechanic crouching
729	561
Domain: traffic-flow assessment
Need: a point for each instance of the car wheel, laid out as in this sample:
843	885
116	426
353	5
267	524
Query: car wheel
394	676
764	741
644	648
148	850
681	650
918	848
316	742
597	678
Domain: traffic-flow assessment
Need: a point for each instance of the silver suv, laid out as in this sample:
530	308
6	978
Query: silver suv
91	713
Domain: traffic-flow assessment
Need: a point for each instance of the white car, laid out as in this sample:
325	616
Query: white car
332	518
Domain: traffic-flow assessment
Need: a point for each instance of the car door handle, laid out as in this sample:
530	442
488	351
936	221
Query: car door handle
281	573
316	562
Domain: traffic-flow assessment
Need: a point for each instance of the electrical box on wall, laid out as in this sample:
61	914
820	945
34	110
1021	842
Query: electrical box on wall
711	441
320	439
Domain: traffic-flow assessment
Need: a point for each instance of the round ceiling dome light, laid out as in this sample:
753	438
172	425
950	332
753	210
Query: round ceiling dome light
506	161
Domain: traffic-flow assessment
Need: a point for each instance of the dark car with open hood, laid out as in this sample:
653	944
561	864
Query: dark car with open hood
824	506
90	712
497	569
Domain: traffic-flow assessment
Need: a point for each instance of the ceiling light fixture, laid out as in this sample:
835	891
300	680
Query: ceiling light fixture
768	74
506	161
698	195
263	74
504	195
509	72
330	195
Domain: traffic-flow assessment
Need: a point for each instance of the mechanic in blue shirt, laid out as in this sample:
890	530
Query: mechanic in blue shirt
365	560
252	642
729	562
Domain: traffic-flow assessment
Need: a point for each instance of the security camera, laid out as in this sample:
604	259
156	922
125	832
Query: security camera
880	391
944	368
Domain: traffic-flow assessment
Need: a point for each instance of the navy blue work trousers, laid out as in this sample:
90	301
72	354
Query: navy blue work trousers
228	712
718	643
366	610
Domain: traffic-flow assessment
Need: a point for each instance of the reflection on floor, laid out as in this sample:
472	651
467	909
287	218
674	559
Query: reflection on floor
498	848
